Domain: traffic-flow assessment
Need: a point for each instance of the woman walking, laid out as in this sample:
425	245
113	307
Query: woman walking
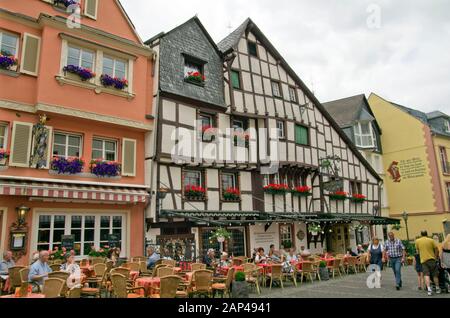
376	251
445	254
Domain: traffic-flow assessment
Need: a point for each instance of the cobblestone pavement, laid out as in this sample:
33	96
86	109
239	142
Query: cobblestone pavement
352	286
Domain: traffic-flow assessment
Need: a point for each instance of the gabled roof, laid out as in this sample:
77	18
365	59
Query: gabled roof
347	111
193	19
230	43
437	114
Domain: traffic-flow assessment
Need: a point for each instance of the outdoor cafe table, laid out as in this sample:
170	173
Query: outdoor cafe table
148	283
224	269
33	295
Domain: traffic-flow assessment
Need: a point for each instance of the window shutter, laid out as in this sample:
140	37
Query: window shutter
301	135
235	80
90	8
129	157
21	144
48	151
30	54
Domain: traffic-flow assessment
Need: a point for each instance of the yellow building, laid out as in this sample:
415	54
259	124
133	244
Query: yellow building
415	147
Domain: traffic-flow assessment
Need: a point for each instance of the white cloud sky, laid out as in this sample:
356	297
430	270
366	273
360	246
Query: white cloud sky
329	44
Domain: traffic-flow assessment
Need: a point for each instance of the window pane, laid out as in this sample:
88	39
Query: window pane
110	145
2	136
59	150
96	154
227	181
76	222
88	235
104	234
120	74
57	234
73	152
73	57
206	120
252	50
104	221
87	59
9	44
74	141
97	144
44	236
301	135
89	222
44	221
77	234
235	80
117	221
110	156
108	66
60	139
118	232
59	222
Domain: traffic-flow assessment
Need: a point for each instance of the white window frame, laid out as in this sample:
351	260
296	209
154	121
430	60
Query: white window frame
103	150
94	58
195	171
11	34
280	94
234	180
5	136
358	134
447	125
115	59
292	94
266	180
125	235
281	130
67	144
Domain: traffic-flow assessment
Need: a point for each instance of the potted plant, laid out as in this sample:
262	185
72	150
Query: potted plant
358	198
7	61
4	155
396	227
192	192
276	189
231	194
315	229
302	191
410	249
239	286
338	196
220	235
85	74
323	271
109	81
70	165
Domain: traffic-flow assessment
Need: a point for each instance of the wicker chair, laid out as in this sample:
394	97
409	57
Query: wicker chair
53	287
121	270
351	264
198	266
14	277
84	263
143	269
164	271
225	287
24	274
61	275
238	261
202	282
134	266
168	287
138	259
169	262
361	263
120	288
335	266
276	274
99	280
97	260
55	267
74	293
308	269
292	275
253	275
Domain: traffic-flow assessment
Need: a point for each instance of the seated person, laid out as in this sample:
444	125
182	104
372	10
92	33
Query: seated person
209	258
7	263
305	255
224	261
153	257
39	271
360	250
69	265
328	255
291	256
167	254
350	253
274	255
260	257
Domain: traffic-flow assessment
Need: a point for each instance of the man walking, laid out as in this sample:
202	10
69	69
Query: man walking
429	253
395	253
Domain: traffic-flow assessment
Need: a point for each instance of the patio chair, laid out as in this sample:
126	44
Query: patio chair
14	277
74	293
224	287
168	287
252	276
138	259
61	275
24	274
308	270
143	269
198	266
155	269
53	287
351	264
169	262
292	275
335	266
238	261
133	266
84	262
55	267
121	290
164	271
276	274
202	282
97	260
361	263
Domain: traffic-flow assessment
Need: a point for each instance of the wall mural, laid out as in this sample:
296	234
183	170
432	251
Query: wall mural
407	169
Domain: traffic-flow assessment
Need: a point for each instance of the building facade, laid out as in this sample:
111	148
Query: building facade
74	113
415	147
264	159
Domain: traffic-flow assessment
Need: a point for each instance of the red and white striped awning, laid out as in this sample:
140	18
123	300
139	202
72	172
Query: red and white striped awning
73	191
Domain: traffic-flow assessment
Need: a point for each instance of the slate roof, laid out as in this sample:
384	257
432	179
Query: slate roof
436	114
233	38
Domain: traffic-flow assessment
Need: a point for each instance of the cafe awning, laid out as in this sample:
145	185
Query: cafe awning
66	191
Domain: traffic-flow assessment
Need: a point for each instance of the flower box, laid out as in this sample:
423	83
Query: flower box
302	191
276	188
195	78
4	155
358	198
102	168
231	194
338	196
7	61
117	83
84	73
208	133
71	165
195	193
65	3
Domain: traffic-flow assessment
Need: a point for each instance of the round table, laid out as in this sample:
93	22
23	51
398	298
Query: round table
224	269
148	283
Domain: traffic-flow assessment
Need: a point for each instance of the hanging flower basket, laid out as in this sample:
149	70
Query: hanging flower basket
358	198
339	196
231	194
302	191
396	227
276	189
71	165
315	229
117	83
65	3
4	155
85	74
221	235
195	77
194	192
7	61
103	168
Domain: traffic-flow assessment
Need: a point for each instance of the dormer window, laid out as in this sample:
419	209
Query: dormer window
194	71
252	49
364	135
447	126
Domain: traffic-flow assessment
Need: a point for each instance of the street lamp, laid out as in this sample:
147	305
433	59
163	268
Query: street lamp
21	214
405	218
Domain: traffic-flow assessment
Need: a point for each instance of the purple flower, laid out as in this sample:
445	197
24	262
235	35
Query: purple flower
6	61
108	81
66	3
67	165
84	73
102	168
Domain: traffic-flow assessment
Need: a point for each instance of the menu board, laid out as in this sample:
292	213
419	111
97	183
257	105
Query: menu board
68	242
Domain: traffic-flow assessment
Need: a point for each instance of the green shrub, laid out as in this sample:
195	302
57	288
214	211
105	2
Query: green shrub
323	264
240	277
410	248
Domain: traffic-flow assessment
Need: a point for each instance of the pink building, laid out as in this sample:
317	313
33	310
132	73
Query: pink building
69	94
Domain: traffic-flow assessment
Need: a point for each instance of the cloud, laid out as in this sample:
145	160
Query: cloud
329	43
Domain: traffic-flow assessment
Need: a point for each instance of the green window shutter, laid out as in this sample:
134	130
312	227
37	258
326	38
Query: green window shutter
301	135
235	80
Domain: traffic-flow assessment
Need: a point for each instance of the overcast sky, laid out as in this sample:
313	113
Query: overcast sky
398	49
